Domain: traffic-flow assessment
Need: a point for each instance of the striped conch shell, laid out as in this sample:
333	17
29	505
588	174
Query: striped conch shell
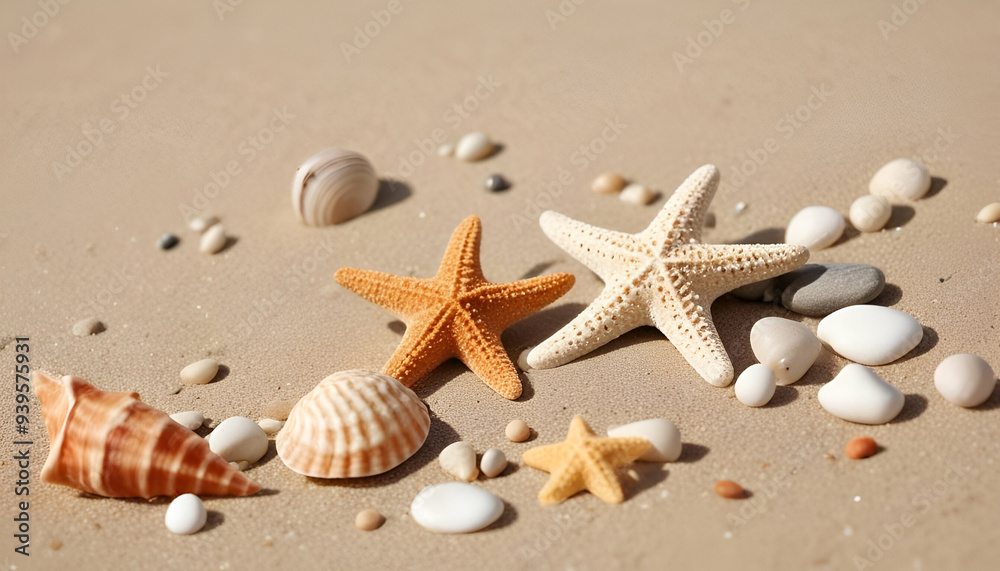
333	186
353	424
114	445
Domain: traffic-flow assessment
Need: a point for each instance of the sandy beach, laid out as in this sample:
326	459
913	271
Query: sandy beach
120	119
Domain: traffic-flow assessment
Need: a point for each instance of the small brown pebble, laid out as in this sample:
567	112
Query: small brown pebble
278	409
89	326
829	456
268	541
727	489
861	447
517	430
608	183
369	520
55	545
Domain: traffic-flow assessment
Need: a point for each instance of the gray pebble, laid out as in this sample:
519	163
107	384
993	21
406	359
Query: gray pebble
167	241
89	326
496	183
820	289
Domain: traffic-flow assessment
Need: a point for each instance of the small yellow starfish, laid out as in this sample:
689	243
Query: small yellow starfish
584	461
457	313
663	276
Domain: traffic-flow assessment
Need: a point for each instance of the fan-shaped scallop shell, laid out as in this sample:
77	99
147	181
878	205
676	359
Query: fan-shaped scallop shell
114	445
353	424
332	186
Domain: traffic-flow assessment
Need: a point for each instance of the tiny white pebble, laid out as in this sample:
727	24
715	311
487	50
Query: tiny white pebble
857	498
728	535
192	419
213	240
848	530
203	223
446	150
522	360
636	193
493	462
186	514
270	425
199	372
239	439
740	207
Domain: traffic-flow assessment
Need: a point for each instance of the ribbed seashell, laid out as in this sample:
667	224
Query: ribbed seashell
353	424
112	444
333	186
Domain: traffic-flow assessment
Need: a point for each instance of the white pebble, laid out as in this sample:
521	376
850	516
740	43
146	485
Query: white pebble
965	379
815	227
203	223
446	150
989	213
270	426
89	326
239	439
788	347
636	193
200	372
901	178
870	334
869	213
493	462
740	207
522	359
186	514
191	420
474	146
859	395
755	385
454	507
663	436
213	240
459	460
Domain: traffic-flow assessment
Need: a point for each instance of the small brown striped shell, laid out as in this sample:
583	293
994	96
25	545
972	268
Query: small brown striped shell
353	424
333	186
112	444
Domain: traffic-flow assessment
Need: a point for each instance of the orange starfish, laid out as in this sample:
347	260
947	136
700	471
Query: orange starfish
584	461
457	313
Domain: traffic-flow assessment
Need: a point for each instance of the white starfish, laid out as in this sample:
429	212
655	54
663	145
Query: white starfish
662	276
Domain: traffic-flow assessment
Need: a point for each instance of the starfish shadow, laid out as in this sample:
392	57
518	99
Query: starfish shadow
441	434
650	475
765	236
538	327
537	270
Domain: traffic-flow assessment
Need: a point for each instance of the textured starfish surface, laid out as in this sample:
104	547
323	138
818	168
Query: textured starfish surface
662	276
457	313
584	461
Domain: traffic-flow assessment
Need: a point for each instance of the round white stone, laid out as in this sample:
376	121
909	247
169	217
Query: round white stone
636	193
869	213
815	227
270	426
474	146
446	150
859	395
239	439
788	347
213	240
965	379
203	223
989	213
455	507
870	334
493	462
901	178
200	372
522	360
663	436
459	460
186	514
755	385
191	420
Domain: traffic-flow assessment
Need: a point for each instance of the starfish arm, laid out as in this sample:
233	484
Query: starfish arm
485	356
689	327
425	345
563	483
400	295
501	305
546	458
611	315
682	217
722	268
600	250
460	267
609	454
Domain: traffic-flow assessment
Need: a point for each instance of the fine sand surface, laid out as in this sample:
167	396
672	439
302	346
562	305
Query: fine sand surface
79	242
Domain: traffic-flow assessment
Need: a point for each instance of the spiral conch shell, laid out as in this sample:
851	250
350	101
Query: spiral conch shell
333	186
112	444
353	424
